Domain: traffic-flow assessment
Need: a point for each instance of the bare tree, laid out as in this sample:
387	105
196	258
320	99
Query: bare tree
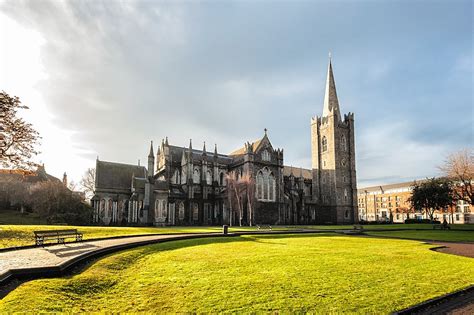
241	191
459	167
18	139
88	182
55	202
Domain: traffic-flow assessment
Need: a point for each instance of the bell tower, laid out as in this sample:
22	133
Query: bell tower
333	160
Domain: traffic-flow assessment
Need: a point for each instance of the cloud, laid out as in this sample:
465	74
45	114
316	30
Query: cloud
118	74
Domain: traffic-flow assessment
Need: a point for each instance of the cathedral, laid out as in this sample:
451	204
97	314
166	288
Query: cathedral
249	186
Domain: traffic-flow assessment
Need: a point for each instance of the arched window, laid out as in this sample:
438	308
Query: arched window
221	179
208	178
109	208
343	143
259	185
196	176
266	156
345	195
266	185
324	143
175	179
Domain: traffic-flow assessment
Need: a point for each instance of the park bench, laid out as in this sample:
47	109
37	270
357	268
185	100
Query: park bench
59	235
358	227
441	227
264	227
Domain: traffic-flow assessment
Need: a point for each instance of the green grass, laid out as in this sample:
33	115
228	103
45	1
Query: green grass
323	274
21	235
375	227
434	235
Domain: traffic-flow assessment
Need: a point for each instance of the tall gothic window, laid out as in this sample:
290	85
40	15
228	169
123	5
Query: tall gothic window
266	185
175	179
324	144
259	186
343	143
196	176
208	178
266	156
221	179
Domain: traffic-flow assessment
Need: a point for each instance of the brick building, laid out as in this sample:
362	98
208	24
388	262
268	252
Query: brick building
391	202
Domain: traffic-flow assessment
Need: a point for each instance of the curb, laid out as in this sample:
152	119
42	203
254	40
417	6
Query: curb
434	301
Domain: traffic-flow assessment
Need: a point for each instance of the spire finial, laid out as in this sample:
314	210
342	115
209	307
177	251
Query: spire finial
330	56
204	148
166	141
265	130
151	150
331	103
215	149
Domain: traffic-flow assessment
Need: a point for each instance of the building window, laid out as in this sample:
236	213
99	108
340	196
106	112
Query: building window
343	143
266	185
266	156
324	144
196	176
195	211
208	178
221	179
343	162
181	211
175	179
457	216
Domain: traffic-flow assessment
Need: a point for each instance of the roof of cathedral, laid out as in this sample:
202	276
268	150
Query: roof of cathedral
177	152
117	175
242	150
331	103
296	171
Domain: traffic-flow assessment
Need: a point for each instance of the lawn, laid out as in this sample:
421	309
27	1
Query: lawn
432	235
21	235
253	274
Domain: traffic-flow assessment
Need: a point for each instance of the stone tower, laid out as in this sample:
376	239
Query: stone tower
333	160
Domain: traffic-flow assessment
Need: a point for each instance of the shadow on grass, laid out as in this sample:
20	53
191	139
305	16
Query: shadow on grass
142	251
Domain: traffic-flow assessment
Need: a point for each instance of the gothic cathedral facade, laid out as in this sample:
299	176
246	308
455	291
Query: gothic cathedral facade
249	186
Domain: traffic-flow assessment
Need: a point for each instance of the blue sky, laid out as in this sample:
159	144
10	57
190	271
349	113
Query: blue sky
105	78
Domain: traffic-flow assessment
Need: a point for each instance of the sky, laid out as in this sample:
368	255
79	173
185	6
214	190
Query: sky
104	78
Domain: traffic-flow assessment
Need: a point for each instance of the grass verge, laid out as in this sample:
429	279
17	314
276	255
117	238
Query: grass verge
277	273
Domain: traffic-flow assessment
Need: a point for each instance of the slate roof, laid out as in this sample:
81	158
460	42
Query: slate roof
387	187
177	152
242	150
110	175
296	171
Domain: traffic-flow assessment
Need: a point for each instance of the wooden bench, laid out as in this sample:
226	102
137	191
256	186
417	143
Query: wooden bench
264	227
441	227
59	235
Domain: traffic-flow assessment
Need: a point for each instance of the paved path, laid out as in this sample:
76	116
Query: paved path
56	258
461	249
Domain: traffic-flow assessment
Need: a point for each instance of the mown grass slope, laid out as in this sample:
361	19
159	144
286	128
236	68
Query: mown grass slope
324	273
